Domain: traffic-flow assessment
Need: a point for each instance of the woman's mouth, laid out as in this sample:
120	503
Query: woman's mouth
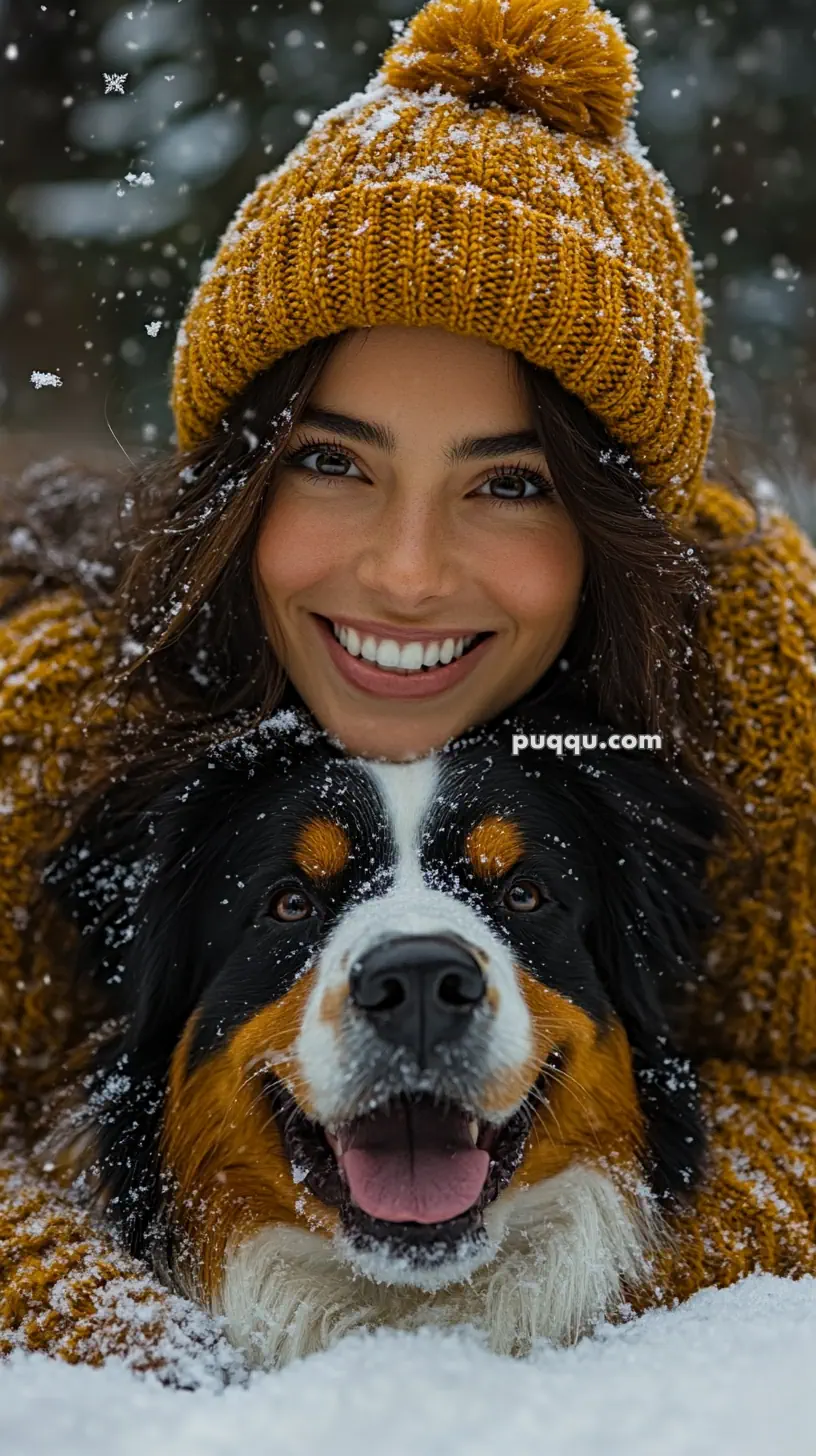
391	669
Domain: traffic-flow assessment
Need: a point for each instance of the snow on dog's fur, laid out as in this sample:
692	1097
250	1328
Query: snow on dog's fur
393	1041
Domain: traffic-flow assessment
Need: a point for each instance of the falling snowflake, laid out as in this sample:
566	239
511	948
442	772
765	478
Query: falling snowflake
38	379
140	179
115	83
153	329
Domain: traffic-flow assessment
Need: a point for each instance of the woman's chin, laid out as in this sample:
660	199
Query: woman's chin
403	743
390	729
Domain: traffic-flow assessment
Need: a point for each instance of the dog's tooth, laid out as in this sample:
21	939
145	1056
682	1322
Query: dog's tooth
473	1129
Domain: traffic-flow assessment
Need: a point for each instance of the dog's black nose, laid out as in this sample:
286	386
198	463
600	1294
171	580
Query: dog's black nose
419	991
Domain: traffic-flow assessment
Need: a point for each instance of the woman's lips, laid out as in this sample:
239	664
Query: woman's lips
377	680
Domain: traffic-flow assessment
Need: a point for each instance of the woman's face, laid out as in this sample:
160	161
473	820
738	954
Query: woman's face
409	525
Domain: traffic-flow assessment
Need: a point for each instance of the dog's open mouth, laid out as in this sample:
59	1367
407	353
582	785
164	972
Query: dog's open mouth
415	1174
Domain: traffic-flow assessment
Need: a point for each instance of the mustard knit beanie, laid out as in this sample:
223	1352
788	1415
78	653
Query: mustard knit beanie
489	181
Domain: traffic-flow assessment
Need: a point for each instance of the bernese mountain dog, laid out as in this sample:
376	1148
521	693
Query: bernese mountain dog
392	1043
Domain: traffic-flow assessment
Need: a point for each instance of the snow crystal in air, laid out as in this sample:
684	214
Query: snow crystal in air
40	380
115	83
153	329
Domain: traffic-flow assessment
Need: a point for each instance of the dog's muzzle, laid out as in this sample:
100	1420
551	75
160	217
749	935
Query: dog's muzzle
412	1161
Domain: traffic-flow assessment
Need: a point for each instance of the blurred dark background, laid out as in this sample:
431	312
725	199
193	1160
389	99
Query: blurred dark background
129	132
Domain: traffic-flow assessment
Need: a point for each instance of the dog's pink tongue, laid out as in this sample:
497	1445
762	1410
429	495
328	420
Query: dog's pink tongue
415	1164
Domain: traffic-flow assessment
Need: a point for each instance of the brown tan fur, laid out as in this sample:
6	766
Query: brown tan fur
221	1142
493	846
591	1113
333	1005
322	849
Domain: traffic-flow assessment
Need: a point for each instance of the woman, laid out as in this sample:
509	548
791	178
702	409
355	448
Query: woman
470	261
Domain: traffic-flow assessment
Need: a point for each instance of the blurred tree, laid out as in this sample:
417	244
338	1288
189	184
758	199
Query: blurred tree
129	132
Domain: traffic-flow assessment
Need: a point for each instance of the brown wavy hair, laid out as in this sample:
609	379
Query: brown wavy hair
167	558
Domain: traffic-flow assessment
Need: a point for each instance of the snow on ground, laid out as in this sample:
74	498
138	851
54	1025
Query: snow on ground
733	1371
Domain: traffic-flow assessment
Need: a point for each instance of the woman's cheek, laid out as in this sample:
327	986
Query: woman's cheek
299	546
538	576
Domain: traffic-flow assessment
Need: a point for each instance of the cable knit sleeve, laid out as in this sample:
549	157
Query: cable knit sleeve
756	1011
65	1287
758	1001
756	1208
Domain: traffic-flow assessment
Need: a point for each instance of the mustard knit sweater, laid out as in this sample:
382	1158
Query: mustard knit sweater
66	1289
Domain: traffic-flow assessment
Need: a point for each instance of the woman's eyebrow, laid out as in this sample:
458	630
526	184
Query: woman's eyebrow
484	447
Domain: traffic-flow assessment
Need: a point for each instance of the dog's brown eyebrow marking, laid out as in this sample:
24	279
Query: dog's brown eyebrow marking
494	845
322	849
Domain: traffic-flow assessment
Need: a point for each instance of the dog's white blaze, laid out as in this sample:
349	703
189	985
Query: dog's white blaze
564	1248
410	907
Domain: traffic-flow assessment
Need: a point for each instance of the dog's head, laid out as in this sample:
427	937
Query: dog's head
379	1001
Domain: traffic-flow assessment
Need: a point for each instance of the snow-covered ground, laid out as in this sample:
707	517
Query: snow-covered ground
733	1371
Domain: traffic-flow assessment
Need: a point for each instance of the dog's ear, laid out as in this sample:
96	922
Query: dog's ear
123	879
126	881
654	829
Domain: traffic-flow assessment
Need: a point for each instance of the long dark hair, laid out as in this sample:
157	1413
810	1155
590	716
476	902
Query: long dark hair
175	582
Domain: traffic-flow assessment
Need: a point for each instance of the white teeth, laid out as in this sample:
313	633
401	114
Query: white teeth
389	655
473	1129
411	656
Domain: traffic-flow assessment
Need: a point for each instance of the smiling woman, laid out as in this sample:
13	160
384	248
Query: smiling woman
349	495
456	587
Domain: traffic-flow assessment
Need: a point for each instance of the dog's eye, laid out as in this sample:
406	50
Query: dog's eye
289	905
523	895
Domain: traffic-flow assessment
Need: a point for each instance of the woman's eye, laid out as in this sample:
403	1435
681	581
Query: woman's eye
330	460
524	895
290	905
507	485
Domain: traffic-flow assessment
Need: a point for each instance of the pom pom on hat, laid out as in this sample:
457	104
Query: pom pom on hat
564	60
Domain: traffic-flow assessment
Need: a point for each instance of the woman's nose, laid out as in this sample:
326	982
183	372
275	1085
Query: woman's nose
409	556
